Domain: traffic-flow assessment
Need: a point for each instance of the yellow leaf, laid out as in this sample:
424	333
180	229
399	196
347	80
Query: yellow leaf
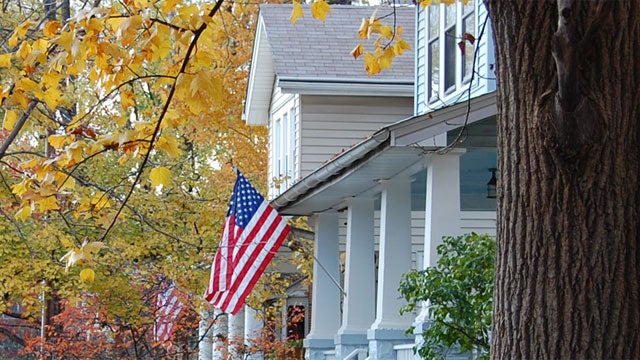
52	97
64	181
100	200
22	187
51	28
13	40
371	64
10	118
65	40
357	51
296	13
24	213
84	253
5	60
127	99
87	275
425	3
169	144
24	50
19	97
160	176
48	203
387	58
129	29
386	31
363	32
59	141
320	9
74	153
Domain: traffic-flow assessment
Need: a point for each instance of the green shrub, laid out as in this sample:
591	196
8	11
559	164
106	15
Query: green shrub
459	291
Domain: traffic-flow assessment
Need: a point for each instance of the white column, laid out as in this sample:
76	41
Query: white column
358	309
252	330
442	213
205	335
220	329
236	335
394	260
325	293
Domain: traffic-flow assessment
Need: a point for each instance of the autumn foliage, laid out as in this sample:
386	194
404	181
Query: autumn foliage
119	120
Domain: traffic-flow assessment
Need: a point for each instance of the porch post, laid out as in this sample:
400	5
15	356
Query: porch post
442	213
394	260
359	303
252	330
236	335
220	329
205	334
325	294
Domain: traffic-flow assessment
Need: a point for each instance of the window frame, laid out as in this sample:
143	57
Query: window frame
441	79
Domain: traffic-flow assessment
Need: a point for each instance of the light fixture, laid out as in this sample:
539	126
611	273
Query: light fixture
491	185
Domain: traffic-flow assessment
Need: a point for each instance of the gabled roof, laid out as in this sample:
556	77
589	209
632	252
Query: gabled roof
313	57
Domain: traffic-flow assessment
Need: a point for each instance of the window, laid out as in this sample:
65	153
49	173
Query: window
449	69
283	149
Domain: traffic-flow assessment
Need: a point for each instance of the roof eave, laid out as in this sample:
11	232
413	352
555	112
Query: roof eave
261	79
356	87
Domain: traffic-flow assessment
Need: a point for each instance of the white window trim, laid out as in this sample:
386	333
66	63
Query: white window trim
460	81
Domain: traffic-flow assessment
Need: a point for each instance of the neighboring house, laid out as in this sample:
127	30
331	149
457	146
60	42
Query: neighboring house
382	174
315	97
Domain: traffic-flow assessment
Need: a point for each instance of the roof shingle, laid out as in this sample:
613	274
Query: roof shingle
313	49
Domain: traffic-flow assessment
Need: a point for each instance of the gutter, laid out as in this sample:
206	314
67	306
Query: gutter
344	86
333	168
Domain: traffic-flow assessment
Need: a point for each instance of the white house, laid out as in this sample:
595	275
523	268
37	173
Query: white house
383	166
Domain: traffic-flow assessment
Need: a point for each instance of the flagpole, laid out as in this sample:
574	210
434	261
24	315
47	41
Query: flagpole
329	275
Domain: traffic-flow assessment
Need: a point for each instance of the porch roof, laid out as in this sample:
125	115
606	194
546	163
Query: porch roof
393	150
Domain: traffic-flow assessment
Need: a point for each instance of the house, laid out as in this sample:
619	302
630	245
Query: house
382	174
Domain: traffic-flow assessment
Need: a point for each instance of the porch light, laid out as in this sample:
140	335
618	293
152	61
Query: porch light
491	185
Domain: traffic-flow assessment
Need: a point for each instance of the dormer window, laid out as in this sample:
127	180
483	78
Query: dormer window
452	67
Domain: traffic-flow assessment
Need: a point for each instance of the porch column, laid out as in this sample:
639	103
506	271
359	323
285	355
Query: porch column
252	330
442	213
358	309
325	294
236	335
394	260
205	335
220	329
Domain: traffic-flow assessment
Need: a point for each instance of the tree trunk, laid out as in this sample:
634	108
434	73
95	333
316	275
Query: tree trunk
567	266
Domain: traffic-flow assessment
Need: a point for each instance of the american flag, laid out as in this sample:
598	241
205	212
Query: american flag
253	232
168	308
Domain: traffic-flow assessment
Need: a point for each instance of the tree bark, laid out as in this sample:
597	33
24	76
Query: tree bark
567	265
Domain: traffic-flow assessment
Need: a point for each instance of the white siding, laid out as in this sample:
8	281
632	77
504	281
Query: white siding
331	124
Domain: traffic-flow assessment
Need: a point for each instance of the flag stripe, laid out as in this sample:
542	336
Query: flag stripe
264	257
168	308
254	258
252	234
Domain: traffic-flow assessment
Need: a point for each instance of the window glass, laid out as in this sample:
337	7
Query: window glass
468	8
450	51
434	21
434	69
450	15
468	26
